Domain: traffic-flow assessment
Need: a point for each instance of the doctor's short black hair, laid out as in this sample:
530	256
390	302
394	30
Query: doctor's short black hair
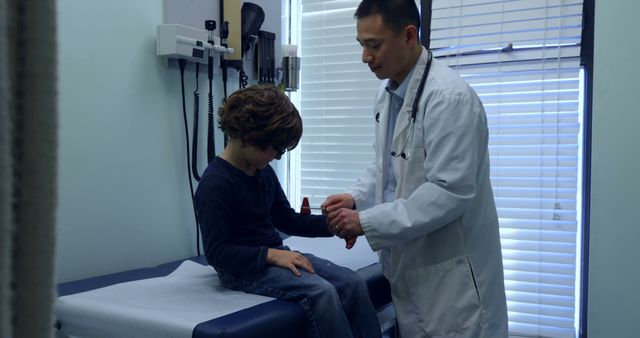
261	115
396	14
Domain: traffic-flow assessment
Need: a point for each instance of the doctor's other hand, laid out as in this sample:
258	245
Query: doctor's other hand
349	242
335	202
291	260
345	223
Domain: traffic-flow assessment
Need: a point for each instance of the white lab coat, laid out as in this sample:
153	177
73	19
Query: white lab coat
438	242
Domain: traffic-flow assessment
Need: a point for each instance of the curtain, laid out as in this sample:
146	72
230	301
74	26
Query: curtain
28	165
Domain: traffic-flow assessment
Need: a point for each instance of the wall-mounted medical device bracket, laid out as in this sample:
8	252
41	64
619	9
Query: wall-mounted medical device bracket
182	42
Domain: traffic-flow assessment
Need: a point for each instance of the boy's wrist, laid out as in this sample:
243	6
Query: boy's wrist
271	255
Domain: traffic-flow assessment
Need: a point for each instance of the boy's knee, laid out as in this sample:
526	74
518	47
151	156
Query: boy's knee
323	288
323	293
355	284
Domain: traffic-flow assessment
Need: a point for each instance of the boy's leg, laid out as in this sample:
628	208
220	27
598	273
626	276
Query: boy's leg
354	295
319	299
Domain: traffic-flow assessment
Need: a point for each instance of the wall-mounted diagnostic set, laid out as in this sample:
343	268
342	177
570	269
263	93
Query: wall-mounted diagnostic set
239	38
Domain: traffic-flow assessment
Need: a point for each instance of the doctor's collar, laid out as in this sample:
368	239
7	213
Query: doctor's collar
400	90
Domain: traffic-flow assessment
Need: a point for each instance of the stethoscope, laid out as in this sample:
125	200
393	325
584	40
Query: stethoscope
414	112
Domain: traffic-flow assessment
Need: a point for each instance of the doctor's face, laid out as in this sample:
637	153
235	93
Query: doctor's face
387	54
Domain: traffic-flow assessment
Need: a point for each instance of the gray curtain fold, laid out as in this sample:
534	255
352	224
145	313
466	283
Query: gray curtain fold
28	166
5	181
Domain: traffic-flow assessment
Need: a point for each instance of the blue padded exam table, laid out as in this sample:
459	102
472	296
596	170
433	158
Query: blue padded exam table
274	318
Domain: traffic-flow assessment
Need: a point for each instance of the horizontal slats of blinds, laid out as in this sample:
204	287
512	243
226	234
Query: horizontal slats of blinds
462	28
531	94
336	100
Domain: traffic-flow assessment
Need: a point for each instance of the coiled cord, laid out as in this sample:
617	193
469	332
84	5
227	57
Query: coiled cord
211	140
196	123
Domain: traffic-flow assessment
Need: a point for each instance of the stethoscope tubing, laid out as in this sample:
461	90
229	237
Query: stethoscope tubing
414	110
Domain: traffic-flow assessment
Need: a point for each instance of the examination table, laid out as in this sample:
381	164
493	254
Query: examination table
189	301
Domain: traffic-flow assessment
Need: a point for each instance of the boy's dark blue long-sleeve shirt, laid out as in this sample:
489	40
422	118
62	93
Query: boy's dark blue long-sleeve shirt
239	215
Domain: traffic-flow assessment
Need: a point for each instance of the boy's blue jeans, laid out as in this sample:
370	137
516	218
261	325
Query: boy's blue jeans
335	299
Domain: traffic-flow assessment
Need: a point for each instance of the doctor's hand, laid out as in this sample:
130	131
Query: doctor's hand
345	223
291	260
349	241
335	202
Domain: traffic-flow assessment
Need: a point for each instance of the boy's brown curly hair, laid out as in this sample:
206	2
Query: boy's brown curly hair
261	115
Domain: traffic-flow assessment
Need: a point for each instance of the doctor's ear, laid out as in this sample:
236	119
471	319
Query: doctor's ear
411	34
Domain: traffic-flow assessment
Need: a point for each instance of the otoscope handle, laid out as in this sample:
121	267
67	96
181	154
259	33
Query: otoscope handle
210	25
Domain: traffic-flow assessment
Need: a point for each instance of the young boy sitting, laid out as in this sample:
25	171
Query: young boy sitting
240	204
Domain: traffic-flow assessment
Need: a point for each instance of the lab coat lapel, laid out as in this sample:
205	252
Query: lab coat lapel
382	106
381	126
403	124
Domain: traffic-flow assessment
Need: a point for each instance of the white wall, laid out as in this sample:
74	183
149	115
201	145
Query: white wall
123	190
614	273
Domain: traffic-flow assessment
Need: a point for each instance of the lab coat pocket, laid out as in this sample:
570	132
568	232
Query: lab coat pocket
445	297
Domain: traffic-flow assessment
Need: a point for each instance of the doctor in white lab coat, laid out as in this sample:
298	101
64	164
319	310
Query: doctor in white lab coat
428	208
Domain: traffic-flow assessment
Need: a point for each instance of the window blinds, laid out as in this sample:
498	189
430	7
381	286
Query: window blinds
522	58
336	100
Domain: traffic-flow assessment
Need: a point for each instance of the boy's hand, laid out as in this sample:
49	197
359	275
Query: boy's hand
291	260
